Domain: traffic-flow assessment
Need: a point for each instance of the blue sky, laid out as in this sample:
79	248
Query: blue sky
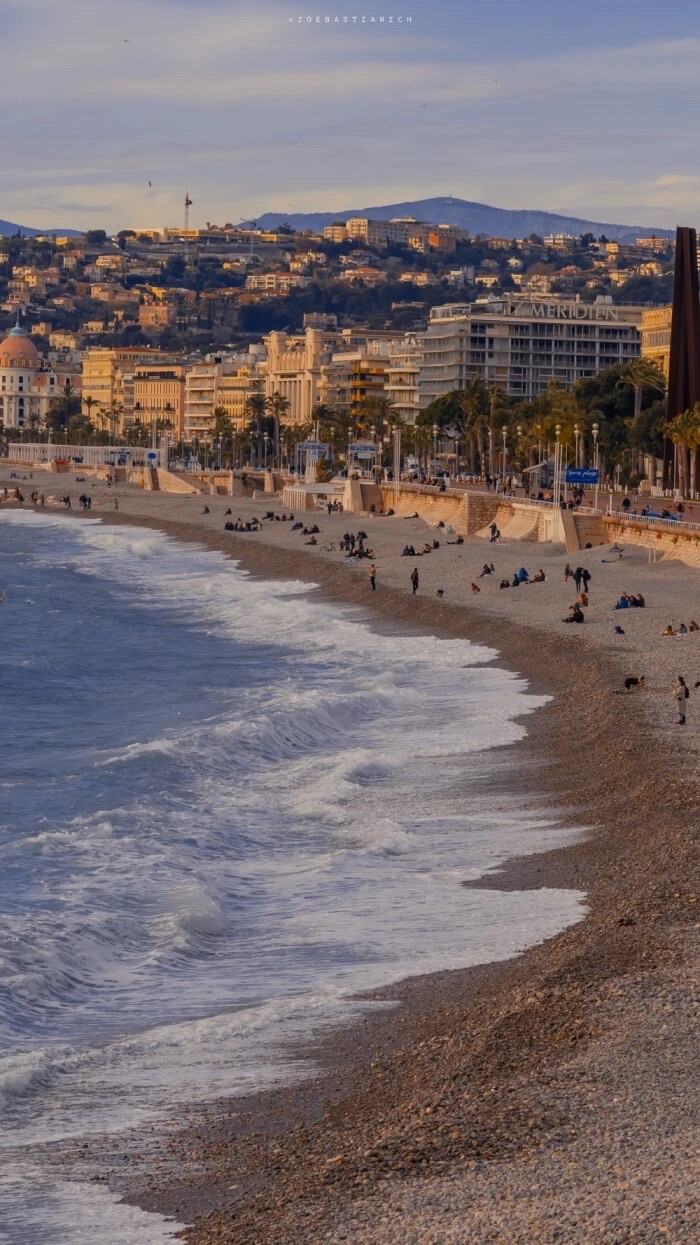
583	108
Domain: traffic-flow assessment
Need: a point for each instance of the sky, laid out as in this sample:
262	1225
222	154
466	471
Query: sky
589	109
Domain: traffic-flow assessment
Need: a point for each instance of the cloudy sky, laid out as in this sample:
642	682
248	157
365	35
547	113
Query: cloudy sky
586	108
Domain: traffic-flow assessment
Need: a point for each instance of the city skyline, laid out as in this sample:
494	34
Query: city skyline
251	111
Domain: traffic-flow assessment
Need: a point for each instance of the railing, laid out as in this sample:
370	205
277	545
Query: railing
676	525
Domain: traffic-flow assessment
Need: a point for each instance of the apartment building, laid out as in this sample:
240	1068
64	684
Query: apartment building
159	395
108	380
223	382
656	336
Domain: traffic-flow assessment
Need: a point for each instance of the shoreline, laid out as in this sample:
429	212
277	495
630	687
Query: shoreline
524	1017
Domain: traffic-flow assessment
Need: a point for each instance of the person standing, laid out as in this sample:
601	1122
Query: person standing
578	576
414	579
373	577
586	577
681	695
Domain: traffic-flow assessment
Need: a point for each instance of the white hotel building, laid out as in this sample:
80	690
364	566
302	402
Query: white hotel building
518	344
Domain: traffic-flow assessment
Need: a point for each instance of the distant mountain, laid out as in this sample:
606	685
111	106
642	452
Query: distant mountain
475	217
7	228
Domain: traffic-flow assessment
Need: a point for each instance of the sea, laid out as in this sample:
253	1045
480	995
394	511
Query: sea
227	807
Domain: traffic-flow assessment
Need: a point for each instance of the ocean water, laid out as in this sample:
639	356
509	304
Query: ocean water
225	808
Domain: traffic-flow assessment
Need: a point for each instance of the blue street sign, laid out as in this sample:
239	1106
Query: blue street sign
312	447
363	447
581	475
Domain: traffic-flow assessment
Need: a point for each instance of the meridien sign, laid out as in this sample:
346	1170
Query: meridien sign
562	311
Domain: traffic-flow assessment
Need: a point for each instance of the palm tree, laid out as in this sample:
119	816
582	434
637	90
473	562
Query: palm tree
62	408
256	409
641	374
475	405
684	432
223	427
277	406
89	404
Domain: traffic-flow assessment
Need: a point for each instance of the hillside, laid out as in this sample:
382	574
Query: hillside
8	228
475	217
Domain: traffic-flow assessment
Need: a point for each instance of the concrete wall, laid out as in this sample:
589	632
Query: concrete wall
682	545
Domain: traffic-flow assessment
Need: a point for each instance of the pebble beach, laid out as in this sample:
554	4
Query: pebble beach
551	1097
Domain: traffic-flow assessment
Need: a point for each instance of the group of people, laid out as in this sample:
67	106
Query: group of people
630	600
410	551
250	525
580	576
85	501
276	518
519	577
682	630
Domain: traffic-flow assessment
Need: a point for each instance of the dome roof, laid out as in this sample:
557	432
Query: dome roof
18	349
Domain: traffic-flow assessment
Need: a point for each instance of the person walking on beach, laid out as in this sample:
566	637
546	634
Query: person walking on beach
116	503
414	579
681	695
373	577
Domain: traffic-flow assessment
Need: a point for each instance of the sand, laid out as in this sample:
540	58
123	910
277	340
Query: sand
549	1098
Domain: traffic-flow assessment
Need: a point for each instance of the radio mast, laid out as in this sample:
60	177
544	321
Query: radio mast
188	205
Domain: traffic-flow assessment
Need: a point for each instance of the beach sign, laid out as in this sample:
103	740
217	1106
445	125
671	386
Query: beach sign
581	475
363	448
313	447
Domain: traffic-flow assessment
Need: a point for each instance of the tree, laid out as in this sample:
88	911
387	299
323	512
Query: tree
277	406
89	404
64	407
223	428
642	374
684	431
95	237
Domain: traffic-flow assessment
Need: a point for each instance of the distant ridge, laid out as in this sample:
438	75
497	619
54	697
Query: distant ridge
477	218
8	228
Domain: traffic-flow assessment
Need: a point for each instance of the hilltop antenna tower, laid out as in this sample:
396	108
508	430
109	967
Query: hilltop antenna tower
188	205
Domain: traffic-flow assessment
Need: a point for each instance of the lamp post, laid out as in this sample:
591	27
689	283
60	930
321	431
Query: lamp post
595	430
397	463
490	451
577	434
557	467
436	433
504	431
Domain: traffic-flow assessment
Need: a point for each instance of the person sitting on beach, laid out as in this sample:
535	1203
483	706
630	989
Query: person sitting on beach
693	626
669	630
486	570
312	541
682	630
436	544
637	601
227	511
523	576
582	598
623	603
505	583
440	592
476	588
575	615
539	578
515	581
205	510
427	548
619	630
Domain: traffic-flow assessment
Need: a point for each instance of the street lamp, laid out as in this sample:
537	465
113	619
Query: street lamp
557	466
504	431
436	433
595	430
577	434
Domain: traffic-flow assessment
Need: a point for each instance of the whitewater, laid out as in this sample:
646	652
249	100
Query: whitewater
227	807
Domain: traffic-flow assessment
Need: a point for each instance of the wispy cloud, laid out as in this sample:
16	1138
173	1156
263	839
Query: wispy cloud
248	112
